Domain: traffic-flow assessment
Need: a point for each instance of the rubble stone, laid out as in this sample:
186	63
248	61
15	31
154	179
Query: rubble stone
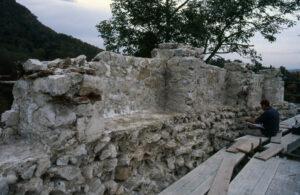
33	65
124	125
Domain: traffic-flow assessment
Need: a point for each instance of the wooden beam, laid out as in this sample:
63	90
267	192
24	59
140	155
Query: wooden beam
255	177
248	146
221	182
270	152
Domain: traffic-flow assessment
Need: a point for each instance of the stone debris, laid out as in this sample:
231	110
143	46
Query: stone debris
33	65
124	125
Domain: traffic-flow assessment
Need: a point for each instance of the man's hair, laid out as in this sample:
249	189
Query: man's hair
265	102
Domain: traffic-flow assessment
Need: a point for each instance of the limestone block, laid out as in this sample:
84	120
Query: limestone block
171	144
4	189
99	147
34	186
60	185
33	65
198	153
11	178
154	137
81	125
109	152
110	164
63	161
80	60
183	150
180	161
10	118
55	63
112	187
79	151
42	165
171	162
124	160
101	68
88	171
96	188
91	85
122	173
64	117
28	173
56	85
66	172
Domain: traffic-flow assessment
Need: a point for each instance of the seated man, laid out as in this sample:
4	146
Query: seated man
268	122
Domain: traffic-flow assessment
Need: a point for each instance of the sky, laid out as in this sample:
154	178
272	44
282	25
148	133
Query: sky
78	18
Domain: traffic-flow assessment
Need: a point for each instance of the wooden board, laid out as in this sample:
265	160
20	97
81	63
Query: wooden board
286	180
233	149
287	141
247	138
270	152
248	146
199	180
255	177
221	182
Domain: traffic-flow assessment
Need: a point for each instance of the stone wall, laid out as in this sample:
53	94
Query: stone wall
123	125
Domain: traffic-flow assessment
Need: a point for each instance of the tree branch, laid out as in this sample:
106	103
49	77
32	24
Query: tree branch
180	6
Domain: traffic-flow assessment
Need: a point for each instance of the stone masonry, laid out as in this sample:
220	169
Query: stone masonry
124	125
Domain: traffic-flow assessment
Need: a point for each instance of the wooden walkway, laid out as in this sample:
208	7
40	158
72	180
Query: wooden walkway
272	175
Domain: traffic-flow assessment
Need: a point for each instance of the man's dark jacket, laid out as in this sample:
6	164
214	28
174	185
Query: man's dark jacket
270	120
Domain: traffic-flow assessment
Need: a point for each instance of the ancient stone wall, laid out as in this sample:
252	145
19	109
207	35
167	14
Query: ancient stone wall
123	125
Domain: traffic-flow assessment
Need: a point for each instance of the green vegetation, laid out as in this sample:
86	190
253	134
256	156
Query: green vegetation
220	26
22	36
291	85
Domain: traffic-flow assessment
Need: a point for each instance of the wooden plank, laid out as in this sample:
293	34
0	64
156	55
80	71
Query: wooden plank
241	141
293	146
254	178
233	149
287	142
264	182
221	182
199	180
249	146
252	137
286	180
270	152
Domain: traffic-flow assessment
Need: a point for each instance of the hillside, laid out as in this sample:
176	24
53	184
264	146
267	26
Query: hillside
22	36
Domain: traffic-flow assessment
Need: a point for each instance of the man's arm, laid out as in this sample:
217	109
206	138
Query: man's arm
260	119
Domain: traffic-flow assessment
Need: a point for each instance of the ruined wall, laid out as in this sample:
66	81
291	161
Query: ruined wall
122	125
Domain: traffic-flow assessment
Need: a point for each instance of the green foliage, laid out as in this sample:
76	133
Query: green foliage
22	36
220	26
291	85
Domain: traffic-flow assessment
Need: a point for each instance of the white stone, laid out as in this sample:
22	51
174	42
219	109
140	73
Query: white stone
33	65
66	172
10	118
4	188
109	152
27	174
96	188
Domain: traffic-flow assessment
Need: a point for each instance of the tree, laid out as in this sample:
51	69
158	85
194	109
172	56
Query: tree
137	26
219	26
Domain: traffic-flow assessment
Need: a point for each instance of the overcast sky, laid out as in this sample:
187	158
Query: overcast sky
79	17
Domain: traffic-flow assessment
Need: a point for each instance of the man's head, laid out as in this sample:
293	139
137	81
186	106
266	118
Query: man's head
265	104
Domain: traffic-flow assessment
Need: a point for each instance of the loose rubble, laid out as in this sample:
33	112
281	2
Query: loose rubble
124	125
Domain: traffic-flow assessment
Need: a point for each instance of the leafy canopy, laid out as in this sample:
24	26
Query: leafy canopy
219	26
